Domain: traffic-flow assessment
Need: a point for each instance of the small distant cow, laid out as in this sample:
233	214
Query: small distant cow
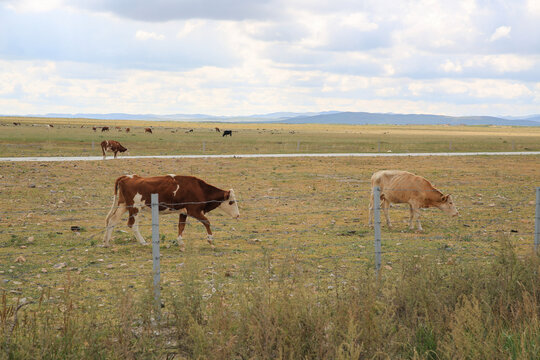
118	128
17	123
227	132
128	130
105	128
94	128
50	126
186	195
112	146
148	130
217	130
402	187
189	131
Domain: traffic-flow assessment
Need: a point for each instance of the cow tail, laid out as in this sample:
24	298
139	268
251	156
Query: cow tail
115	200
116	185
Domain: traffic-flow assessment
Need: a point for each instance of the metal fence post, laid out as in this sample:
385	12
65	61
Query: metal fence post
377	226
155	254
537	221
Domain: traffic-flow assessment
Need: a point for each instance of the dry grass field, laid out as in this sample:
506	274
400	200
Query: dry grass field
67	138
294	276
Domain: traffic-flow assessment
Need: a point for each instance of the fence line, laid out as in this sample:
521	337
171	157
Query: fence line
299	229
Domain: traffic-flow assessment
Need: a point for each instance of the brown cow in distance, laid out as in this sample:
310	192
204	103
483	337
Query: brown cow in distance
407	188
148	130
128	130
105	128
112	146
186	195
94	128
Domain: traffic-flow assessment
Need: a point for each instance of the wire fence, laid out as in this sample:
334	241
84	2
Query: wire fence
316	230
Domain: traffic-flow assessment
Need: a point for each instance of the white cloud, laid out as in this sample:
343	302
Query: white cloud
145	35
502	63
189	26
451	67
501	32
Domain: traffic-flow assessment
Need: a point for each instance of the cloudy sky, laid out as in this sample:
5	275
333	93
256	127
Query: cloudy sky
240	57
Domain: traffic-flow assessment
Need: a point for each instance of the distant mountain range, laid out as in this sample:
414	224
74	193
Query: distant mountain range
327	117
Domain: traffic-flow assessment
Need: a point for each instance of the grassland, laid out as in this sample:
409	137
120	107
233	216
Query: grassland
67	138
292	278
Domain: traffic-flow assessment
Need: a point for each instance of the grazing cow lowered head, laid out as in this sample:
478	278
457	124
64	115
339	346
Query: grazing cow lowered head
404	187
148	130
185	195
112	146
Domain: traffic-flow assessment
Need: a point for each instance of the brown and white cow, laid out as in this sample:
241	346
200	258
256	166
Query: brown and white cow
148	130
405	187
186	195
112	146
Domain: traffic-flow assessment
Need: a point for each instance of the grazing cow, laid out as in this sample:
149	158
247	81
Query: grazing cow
118	128
418	193
227	132
381	179
189	131
186	195
105	128
50	126
148	130
17	123
217	130
112	146
128	130
94	128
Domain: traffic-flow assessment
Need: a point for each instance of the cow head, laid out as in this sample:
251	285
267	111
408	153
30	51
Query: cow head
447	205
230	205
122	149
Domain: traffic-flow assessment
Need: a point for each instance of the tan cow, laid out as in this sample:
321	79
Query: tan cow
185	195
418	193
381	179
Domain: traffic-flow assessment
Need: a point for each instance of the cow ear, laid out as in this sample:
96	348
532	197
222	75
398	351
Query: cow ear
444	198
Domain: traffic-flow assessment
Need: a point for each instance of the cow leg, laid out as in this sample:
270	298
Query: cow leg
415	216
113	218
411	216
103	151
385	205
133	223
115	154
204	220
181	225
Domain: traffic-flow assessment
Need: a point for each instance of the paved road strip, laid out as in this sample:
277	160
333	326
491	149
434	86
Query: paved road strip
100	158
